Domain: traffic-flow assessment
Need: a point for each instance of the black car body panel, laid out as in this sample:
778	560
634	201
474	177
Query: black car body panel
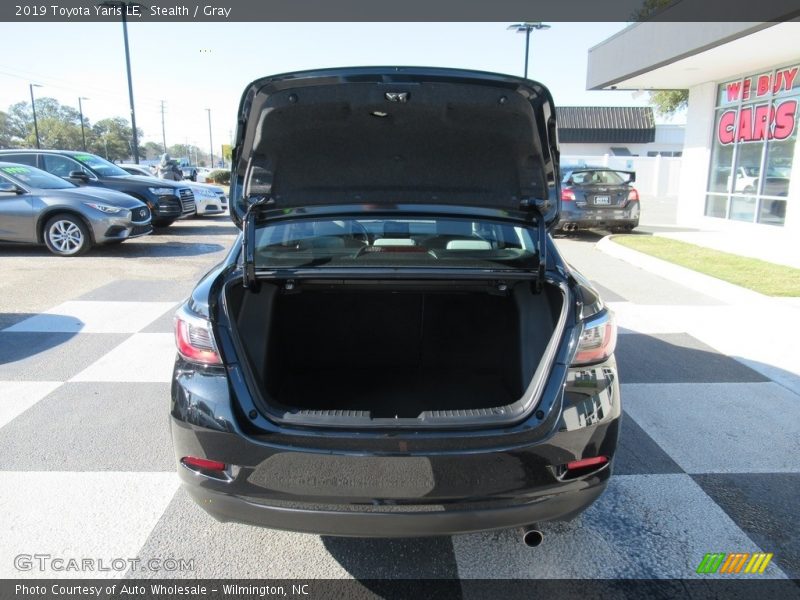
245	457
173	202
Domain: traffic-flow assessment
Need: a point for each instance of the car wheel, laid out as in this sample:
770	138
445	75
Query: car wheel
67	235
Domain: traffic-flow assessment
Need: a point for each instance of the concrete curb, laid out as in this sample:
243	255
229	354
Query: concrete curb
705	284
748	329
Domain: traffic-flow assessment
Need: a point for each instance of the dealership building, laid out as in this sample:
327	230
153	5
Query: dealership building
741	162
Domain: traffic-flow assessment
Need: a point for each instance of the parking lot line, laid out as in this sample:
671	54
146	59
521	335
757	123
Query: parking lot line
86	316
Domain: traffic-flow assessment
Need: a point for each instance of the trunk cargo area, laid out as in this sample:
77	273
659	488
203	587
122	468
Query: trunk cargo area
395	353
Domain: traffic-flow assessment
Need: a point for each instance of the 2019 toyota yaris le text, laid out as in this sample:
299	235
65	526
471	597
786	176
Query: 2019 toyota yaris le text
394	346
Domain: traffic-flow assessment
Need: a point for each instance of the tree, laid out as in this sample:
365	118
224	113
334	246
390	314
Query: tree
189	152
668	102
59	126
112	138
6	138
152	151
650	7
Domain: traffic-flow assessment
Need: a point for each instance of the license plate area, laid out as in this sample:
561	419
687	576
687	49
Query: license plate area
602	200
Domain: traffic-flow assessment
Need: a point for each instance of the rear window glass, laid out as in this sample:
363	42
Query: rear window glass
597	178
393	242
23	159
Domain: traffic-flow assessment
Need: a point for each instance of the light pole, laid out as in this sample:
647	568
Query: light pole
526	28
123	6
210	143
83	130
163	130
33	107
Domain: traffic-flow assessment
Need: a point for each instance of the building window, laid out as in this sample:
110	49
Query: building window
754	147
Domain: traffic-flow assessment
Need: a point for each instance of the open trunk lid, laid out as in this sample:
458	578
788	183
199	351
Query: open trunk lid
383	136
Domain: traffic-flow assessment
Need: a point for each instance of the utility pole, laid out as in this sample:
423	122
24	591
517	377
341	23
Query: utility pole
163	131
33	106
210	143
130	85
83	129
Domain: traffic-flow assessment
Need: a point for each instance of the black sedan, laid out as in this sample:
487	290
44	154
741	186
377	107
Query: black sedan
598	198
394	346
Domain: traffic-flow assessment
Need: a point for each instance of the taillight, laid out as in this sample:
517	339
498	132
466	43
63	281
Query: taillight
567	195
598	339
194	338
633	195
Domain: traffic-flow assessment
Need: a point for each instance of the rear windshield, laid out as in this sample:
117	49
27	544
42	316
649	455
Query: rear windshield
392	242
35	178
597	177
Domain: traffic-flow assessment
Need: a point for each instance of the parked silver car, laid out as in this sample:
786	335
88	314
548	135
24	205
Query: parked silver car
37	207
209	199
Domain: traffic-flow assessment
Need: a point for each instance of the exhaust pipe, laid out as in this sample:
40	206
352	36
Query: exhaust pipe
532	537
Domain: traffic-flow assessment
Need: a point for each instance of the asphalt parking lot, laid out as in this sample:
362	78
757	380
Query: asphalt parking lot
708	460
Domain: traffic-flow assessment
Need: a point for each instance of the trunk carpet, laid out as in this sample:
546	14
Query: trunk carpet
390	392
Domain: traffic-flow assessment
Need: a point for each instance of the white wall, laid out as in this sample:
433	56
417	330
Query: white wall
696	154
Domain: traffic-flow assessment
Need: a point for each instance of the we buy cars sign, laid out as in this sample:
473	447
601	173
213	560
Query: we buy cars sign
770	120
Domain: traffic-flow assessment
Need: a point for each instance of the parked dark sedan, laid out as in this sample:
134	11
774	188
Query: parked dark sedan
598	198
167	200
37	207
394	346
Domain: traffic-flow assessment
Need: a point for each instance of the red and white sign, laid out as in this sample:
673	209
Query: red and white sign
759	122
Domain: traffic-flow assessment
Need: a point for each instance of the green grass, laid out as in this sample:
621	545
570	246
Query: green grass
758	275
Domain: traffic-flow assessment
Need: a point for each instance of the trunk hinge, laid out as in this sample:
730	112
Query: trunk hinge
249	242
539	208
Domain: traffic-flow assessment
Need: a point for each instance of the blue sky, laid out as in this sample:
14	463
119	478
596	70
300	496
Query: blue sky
194	66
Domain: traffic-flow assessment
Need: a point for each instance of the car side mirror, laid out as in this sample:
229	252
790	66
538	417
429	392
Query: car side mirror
79	175
8	188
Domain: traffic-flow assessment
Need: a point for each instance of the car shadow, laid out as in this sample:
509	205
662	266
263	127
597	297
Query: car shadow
128	249
378	562
19	345
588	236
195	229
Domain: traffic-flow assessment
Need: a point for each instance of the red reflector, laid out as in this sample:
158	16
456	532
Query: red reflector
203	463
595	461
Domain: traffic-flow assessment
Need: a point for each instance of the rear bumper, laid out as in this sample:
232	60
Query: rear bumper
400	484
598	218
557	506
